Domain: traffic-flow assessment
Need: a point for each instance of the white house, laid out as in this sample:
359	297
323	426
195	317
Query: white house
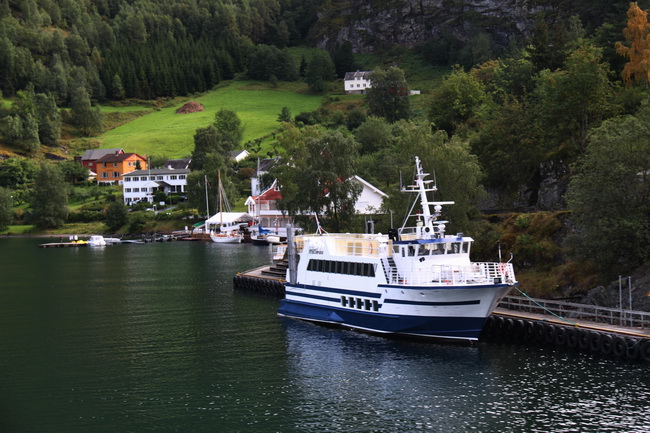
357	82
141	185
264	206
263	167
239	155
370	199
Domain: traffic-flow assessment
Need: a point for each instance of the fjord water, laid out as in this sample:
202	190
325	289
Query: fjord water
152	338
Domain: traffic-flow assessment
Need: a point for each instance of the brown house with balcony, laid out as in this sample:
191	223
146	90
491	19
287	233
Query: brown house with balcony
90	157
111	168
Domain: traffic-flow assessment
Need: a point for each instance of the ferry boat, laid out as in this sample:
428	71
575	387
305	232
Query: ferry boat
414	281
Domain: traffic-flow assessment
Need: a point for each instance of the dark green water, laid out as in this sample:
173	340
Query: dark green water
152	338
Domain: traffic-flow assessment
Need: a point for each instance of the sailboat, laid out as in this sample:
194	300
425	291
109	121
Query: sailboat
228	232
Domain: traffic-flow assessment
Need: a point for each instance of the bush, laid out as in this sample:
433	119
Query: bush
137	221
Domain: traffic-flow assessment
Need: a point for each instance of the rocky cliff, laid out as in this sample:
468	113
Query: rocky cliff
369	24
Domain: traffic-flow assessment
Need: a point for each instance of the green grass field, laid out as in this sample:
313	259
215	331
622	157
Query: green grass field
112	109
165	133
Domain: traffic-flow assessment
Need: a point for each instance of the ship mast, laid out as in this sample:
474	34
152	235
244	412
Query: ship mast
422	187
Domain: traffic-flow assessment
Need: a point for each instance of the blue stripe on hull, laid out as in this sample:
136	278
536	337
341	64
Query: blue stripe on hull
455	328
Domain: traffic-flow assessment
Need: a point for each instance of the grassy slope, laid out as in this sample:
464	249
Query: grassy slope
168	134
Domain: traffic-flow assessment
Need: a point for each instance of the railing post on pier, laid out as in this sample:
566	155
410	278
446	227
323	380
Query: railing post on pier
620	299
629	286
291	254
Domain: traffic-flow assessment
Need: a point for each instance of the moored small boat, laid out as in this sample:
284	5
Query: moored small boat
96	241
226	238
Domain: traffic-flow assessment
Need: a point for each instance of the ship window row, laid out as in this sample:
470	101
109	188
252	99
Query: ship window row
338	267
432	249
359	303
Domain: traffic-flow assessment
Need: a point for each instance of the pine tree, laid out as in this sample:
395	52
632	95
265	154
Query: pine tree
84	116
49	120
118	87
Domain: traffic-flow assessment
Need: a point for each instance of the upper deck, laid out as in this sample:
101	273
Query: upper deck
345	244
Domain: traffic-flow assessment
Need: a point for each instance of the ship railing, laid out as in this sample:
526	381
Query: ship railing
475	273
576	311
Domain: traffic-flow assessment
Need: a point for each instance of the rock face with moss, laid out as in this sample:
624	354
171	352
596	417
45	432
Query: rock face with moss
368	24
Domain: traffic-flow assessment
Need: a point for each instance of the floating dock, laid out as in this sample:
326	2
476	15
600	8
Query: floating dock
266	279
579	335
63	245
577	327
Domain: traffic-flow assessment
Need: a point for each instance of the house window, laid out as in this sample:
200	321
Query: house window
105	175
136	189
104	164
127	179
127	189
173	177
160	178
182	176
116	174
90	164
152	178
115	164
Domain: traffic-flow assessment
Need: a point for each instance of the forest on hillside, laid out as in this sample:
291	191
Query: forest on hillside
552	122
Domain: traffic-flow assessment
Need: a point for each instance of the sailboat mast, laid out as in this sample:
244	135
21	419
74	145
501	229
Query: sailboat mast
207	207
220	201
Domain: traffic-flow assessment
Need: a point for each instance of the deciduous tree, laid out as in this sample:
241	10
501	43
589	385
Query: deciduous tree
320	69
6	208
457	100
637	34
230	127
318	178
116	215
610	195
50	198
572	100
389	95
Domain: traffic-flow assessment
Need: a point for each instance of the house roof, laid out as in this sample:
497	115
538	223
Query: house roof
365	75
228	217
235	153
266	164
119	157
271	194
369	185
94	154
267	195
177	164
156	171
